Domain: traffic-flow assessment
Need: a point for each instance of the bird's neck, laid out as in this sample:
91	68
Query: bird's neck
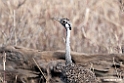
67	55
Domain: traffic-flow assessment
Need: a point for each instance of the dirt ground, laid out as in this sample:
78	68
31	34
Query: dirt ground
32	44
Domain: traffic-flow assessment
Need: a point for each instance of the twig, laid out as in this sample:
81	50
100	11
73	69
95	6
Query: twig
115	67
39	69
4	61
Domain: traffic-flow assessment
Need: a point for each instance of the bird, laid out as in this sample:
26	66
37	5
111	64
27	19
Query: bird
73	73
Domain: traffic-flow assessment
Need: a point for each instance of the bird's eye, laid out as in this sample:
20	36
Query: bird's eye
64	22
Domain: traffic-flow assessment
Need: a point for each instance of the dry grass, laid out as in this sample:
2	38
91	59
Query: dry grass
98	25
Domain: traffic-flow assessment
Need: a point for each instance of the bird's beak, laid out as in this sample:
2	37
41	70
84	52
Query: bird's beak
55	18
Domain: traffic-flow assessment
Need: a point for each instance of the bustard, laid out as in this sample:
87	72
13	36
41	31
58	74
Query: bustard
72	73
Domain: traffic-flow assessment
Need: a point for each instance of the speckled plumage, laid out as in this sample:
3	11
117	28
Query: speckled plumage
77	74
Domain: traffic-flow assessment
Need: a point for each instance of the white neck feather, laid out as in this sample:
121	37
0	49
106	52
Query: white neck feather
67	55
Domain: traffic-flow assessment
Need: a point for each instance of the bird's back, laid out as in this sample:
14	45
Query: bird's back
77	74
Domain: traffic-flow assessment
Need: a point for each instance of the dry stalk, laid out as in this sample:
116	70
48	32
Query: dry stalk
115	67
40	70
1	78
4	67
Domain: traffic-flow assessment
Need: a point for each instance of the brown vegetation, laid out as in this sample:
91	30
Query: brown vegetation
98	27
33	66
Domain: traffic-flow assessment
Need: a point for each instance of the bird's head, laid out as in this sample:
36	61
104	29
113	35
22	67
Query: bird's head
65	22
